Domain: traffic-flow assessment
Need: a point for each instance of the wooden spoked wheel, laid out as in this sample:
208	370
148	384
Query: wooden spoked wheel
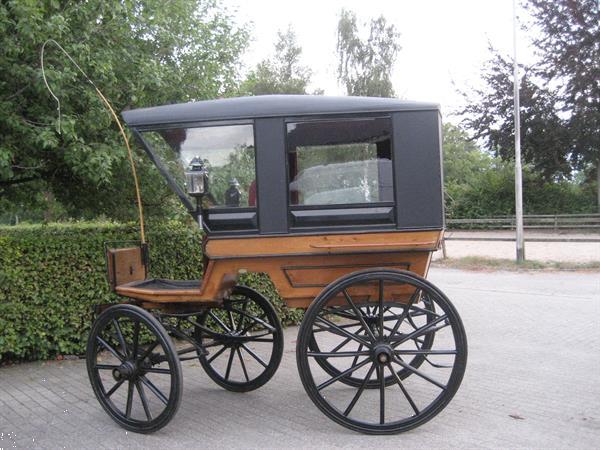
374	326
246	343
134	368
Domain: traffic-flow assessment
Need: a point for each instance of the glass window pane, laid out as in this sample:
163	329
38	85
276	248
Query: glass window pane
227	153
340	162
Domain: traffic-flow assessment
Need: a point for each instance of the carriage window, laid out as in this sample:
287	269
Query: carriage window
340	162
227	152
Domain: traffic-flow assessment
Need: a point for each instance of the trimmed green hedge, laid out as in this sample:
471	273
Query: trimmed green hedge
52	275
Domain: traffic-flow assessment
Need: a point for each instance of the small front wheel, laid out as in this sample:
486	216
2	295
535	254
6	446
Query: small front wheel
134	368
367	356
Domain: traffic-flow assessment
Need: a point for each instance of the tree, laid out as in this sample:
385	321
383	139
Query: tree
488	114
560	94
478	184
364	67
140	53
281	74
569	47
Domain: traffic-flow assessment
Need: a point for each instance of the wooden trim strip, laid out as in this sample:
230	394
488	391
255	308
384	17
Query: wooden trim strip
340	253
376	244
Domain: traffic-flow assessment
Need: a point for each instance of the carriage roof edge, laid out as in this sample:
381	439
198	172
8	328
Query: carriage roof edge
268	106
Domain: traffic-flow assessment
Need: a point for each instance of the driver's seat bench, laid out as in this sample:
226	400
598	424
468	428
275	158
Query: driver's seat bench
127	276
161	290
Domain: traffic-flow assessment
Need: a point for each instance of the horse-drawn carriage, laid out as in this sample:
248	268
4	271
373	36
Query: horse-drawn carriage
339	201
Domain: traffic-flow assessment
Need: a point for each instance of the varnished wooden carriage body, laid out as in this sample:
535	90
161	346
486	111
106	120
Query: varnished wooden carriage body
305	245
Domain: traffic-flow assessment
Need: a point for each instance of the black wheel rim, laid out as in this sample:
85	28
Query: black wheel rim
386	372
134	369
246	347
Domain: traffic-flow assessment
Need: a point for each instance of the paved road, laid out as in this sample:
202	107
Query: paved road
532	381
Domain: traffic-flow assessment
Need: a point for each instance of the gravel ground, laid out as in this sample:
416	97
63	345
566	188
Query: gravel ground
574	252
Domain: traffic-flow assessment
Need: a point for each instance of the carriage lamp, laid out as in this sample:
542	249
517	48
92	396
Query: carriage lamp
196	177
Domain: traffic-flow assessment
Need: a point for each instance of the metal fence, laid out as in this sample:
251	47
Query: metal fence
554	222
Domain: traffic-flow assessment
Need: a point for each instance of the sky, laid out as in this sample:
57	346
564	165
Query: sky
444	42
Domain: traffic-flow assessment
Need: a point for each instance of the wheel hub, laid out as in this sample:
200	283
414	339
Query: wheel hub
382	353
125	371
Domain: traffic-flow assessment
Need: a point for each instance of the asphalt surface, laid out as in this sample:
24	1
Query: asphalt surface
532	381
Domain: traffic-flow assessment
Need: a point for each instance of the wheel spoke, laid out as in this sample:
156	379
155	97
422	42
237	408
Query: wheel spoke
144	399
404	391
419	373
345	326
255	356
381	310
243	316
256	320
129	399
381	394
154	389
158	370
425	352
108	347
136	338
213	357
239	353
343	331
338	354
343	313
360	347
148	351
405	312
105	367
359	315
342	374
425	329
115	387
120	337
360	391
219	321
231	320
229	364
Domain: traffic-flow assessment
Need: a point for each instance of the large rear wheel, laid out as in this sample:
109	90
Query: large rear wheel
395	350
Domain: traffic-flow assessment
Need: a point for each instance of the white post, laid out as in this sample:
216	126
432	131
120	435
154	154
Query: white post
518	170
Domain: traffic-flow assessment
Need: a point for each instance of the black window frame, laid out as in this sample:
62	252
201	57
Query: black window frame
239	214
333	221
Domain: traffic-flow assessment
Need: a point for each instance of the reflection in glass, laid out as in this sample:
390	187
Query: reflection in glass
227	153
345	162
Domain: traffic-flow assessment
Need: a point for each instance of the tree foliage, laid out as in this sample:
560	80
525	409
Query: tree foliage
569	48
365	66
478	184
544	135
560	94
281	74
140	53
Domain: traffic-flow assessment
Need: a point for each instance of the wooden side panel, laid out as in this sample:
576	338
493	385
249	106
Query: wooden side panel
322	244
125	265
299	279
301	266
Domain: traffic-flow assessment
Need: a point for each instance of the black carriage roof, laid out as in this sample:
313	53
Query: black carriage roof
267	106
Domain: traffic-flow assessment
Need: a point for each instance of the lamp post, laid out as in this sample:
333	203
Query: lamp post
518	171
